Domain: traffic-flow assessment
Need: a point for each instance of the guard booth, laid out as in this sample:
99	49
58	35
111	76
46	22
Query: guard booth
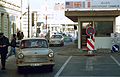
103	21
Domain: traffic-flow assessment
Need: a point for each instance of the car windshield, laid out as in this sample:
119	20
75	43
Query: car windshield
34	43
56	36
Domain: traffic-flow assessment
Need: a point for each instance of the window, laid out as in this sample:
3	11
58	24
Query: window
56	36
103	29
34	43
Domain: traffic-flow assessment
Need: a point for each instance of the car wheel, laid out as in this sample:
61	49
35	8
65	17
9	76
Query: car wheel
20	69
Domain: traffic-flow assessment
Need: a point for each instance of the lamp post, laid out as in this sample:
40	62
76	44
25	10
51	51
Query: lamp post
28	20
21	17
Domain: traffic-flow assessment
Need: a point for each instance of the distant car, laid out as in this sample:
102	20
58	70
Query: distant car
34	52
68	39
56	39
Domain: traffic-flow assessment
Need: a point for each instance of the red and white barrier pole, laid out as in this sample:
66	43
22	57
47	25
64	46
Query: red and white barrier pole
90	45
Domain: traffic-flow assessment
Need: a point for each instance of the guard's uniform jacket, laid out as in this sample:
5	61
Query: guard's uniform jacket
4	41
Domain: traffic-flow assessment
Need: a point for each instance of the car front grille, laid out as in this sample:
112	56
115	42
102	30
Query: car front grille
36	59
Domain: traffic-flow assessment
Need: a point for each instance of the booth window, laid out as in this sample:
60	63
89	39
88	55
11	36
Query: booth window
103	28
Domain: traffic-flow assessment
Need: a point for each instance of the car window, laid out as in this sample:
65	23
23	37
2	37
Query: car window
34	43
56	36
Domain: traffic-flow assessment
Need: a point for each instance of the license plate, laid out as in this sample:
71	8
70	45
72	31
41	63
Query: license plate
57	42
42	59
35	64
38	60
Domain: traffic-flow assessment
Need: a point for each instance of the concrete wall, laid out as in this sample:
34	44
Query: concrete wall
103	42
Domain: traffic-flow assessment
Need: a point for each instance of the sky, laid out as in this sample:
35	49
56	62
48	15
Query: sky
37	4
40	4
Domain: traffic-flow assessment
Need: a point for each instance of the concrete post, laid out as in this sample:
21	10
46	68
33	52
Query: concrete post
79	34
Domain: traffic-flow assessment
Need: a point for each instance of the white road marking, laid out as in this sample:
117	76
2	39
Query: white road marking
61	69
115	60
89	64
88	76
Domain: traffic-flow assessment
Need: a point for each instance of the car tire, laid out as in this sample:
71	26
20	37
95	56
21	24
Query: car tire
20	69
50	68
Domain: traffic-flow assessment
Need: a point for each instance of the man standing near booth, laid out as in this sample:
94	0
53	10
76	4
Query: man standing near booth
4	43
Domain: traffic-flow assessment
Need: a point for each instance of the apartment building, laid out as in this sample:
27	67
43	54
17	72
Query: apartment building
10	11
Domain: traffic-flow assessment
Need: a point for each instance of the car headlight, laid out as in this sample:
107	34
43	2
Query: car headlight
20	56
51	54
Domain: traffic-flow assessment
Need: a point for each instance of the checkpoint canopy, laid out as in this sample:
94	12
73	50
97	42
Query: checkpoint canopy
94	11
91	8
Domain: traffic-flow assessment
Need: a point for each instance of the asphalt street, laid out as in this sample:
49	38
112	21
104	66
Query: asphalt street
71	66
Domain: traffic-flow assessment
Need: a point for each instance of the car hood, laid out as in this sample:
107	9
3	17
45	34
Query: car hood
36	51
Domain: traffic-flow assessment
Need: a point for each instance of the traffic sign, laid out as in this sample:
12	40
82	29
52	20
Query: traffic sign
90	31
115	48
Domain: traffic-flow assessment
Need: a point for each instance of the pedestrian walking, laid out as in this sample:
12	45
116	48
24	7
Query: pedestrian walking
13	45
4	43
22	35
19	35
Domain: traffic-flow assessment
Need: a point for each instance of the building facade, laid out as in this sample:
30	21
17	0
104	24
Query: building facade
9	16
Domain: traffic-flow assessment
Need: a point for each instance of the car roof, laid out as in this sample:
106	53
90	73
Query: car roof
57	34
33	38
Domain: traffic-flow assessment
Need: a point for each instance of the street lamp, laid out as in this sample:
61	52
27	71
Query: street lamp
21	17
28	21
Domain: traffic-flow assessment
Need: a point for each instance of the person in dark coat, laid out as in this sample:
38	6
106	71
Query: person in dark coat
22	35
4	43
13	46
19	35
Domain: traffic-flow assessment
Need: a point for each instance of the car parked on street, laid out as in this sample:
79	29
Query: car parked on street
34	52
56	39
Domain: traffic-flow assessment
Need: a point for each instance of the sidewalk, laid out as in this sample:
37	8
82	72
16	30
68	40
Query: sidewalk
72	50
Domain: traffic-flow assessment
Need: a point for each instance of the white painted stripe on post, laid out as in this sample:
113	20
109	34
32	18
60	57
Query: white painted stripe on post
89	47
92	42
62	68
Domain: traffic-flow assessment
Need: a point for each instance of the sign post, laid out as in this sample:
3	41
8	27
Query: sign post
90	31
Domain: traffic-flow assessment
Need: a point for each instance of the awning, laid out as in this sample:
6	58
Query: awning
73	15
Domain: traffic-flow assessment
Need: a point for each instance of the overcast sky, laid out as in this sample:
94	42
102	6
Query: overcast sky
37	4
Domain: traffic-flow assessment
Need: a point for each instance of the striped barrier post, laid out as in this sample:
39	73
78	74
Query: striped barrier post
90	45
